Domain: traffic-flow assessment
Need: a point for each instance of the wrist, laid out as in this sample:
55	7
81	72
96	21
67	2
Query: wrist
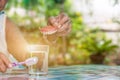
50	39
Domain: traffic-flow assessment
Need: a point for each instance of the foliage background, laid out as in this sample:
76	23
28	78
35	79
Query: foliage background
30	15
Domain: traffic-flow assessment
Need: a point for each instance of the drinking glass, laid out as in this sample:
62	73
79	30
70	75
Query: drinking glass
41	52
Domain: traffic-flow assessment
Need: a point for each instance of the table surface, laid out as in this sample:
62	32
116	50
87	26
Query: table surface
76	72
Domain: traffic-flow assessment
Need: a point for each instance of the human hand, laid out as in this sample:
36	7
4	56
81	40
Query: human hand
4	63
59	25
62	22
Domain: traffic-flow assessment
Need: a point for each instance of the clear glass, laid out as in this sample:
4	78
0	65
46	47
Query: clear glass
41	52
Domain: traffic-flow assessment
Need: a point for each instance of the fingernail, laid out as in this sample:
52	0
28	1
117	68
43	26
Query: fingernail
10	65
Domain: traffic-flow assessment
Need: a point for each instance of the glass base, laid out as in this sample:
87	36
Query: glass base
38	73
38	78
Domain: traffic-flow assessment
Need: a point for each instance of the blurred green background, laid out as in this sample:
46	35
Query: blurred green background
82	44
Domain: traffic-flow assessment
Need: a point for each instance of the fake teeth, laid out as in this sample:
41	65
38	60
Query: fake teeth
48	30
48	33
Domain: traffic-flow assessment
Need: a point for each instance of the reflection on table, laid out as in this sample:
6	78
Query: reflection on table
77	72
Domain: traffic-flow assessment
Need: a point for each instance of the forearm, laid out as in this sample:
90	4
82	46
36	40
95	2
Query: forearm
16	43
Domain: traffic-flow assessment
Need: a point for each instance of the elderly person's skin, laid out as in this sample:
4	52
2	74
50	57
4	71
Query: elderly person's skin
17	44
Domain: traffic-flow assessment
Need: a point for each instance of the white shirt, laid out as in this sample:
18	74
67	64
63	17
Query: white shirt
3	45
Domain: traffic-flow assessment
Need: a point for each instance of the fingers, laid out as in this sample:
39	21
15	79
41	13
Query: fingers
5	60
64	33
53	21
58	20
2	66
65	26
64	19
61	15
4	63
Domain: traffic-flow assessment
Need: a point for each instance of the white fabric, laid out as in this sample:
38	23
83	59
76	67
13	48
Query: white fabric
3	46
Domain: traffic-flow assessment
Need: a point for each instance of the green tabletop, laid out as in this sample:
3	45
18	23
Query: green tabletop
76	72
